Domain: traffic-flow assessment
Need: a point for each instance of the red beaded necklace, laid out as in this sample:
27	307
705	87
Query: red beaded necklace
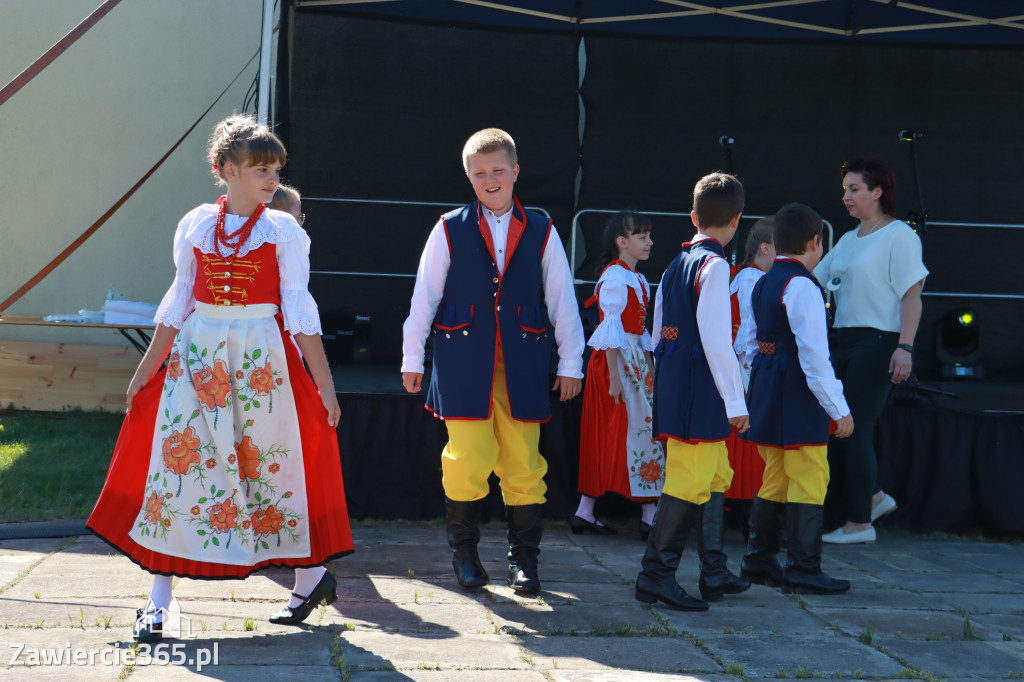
235	241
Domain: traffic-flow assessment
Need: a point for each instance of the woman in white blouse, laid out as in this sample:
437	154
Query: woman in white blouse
876	272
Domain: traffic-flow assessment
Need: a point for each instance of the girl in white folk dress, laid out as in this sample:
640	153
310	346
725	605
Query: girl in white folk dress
617	453
228	458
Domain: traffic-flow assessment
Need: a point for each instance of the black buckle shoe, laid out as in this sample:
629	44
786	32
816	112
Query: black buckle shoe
147	629
325	590
580	525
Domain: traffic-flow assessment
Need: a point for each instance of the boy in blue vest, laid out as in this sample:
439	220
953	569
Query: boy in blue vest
698	397
793	393
494	291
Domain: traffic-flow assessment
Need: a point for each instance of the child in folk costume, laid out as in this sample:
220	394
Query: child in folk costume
214	474
747	466
492	282
698	398
617	451
793	393
287	199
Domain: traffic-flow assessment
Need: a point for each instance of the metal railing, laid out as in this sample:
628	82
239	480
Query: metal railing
391	202
576	229
971	294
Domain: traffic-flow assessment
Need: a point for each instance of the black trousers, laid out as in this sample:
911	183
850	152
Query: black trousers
860	358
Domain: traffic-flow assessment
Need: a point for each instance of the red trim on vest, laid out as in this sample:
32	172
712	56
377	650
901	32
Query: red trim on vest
516	227
444	224
485	231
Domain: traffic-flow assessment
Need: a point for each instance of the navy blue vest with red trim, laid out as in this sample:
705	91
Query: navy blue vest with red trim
687	405
783	411
478	306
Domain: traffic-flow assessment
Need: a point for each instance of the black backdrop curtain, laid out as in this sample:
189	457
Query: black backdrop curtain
950	471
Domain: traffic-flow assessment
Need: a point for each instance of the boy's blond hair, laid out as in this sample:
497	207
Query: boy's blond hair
489	140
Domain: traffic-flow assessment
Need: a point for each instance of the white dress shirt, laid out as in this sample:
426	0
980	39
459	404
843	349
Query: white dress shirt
805	310
714	323
559	295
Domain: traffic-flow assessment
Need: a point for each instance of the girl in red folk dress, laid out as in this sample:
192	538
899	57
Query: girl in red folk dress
214	474
617	453
747	465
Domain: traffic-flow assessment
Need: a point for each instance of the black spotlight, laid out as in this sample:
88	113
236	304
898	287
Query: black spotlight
959	345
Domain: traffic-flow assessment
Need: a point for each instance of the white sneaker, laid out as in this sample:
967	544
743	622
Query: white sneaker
886	506
838	537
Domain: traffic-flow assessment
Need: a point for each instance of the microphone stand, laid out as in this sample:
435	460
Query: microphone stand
727	141
917	219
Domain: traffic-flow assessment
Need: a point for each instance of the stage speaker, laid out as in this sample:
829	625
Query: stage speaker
347	338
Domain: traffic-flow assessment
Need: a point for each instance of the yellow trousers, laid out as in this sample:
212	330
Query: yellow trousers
501	444
799	475
695	470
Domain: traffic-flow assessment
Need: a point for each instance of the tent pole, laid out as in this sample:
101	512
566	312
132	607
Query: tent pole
263	105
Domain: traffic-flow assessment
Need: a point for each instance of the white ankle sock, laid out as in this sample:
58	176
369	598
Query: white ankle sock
305	580
160	593
647	512
586	508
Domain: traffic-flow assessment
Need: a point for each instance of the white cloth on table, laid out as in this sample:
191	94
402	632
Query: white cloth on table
196	231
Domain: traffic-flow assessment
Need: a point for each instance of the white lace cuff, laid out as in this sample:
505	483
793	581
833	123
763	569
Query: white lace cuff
300	313
609	334
176	305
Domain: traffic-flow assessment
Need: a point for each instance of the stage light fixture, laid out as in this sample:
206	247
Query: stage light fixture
958	345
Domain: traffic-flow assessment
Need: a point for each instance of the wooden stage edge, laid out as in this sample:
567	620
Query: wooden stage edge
65	376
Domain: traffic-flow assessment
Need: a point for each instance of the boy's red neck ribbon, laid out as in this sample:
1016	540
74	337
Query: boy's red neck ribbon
233	243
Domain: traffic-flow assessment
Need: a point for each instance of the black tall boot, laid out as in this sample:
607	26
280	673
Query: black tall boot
463	521
524	533
767	522
715	578
657	579
803	564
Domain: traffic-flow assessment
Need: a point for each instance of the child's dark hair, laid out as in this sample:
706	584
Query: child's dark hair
717	198
795	225
240	139
876	174
761	232
622	224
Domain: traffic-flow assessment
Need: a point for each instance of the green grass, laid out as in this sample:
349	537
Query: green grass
53	464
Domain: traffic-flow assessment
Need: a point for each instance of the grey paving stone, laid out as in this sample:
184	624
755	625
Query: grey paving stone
434	618
949	581
236	673
566	620
650	654
971	604
866	596
900	623
758	611
418	675
766	656
963	659
365	650
631	676
999	626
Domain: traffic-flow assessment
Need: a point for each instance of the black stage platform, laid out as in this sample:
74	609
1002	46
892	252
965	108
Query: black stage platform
953	463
